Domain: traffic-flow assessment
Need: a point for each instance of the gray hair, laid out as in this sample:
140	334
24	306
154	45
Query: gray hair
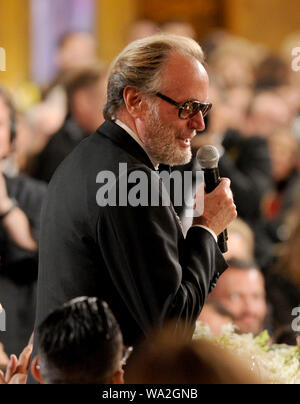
140	65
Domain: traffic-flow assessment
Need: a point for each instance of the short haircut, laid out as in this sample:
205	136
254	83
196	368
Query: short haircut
80	343
140	66
7	99
218	307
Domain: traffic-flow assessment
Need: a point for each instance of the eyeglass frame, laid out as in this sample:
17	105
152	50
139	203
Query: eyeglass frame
181	107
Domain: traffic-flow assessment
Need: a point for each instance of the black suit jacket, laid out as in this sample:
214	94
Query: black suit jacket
135	258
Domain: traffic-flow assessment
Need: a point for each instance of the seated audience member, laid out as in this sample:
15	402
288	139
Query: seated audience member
20	205
79	343
284	148
241	291
166	359
86	93
215	316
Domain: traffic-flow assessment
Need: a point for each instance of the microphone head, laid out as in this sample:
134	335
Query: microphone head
208	157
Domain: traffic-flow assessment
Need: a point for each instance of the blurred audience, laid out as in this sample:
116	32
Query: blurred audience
164	359
241	291
215	316
20	204
141	29
17	369
79	343
86	95
179	27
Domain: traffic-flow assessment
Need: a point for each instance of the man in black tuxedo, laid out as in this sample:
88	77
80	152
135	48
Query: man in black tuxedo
135	257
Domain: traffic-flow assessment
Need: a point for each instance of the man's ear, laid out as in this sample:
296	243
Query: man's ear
118	377
134	101
36	371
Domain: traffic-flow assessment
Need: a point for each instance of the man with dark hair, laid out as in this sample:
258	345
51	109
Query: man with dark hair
20	205
134	255
79	343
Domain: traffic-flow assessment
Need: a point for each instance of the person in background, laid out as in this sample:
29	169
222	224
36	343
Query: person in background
20	205
79	343
283	280
241	291
168	358
142	29
16	371
284	150
75	50
86	90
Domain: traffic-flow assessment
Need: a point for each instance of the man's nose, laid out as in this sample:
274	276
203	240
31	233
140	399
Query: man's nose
197	122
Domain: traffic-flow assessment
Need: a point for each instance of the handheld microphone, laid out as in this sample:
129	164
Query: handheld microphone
208	158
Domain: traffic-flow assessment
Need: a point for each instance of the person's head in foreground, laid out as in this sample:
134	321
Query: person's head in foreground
7	123
79	343
158	87
166	359
240	241
241	291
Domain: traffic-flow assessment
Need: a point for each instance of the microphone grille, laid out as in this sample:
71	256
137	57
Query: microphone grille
208	157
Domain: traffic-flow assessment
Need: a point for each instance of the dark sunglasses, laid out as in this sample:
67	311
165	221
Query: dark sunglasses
189	108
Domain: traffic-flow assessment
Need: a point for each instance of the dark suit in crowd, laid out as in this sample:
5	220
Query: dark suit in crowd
135	258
